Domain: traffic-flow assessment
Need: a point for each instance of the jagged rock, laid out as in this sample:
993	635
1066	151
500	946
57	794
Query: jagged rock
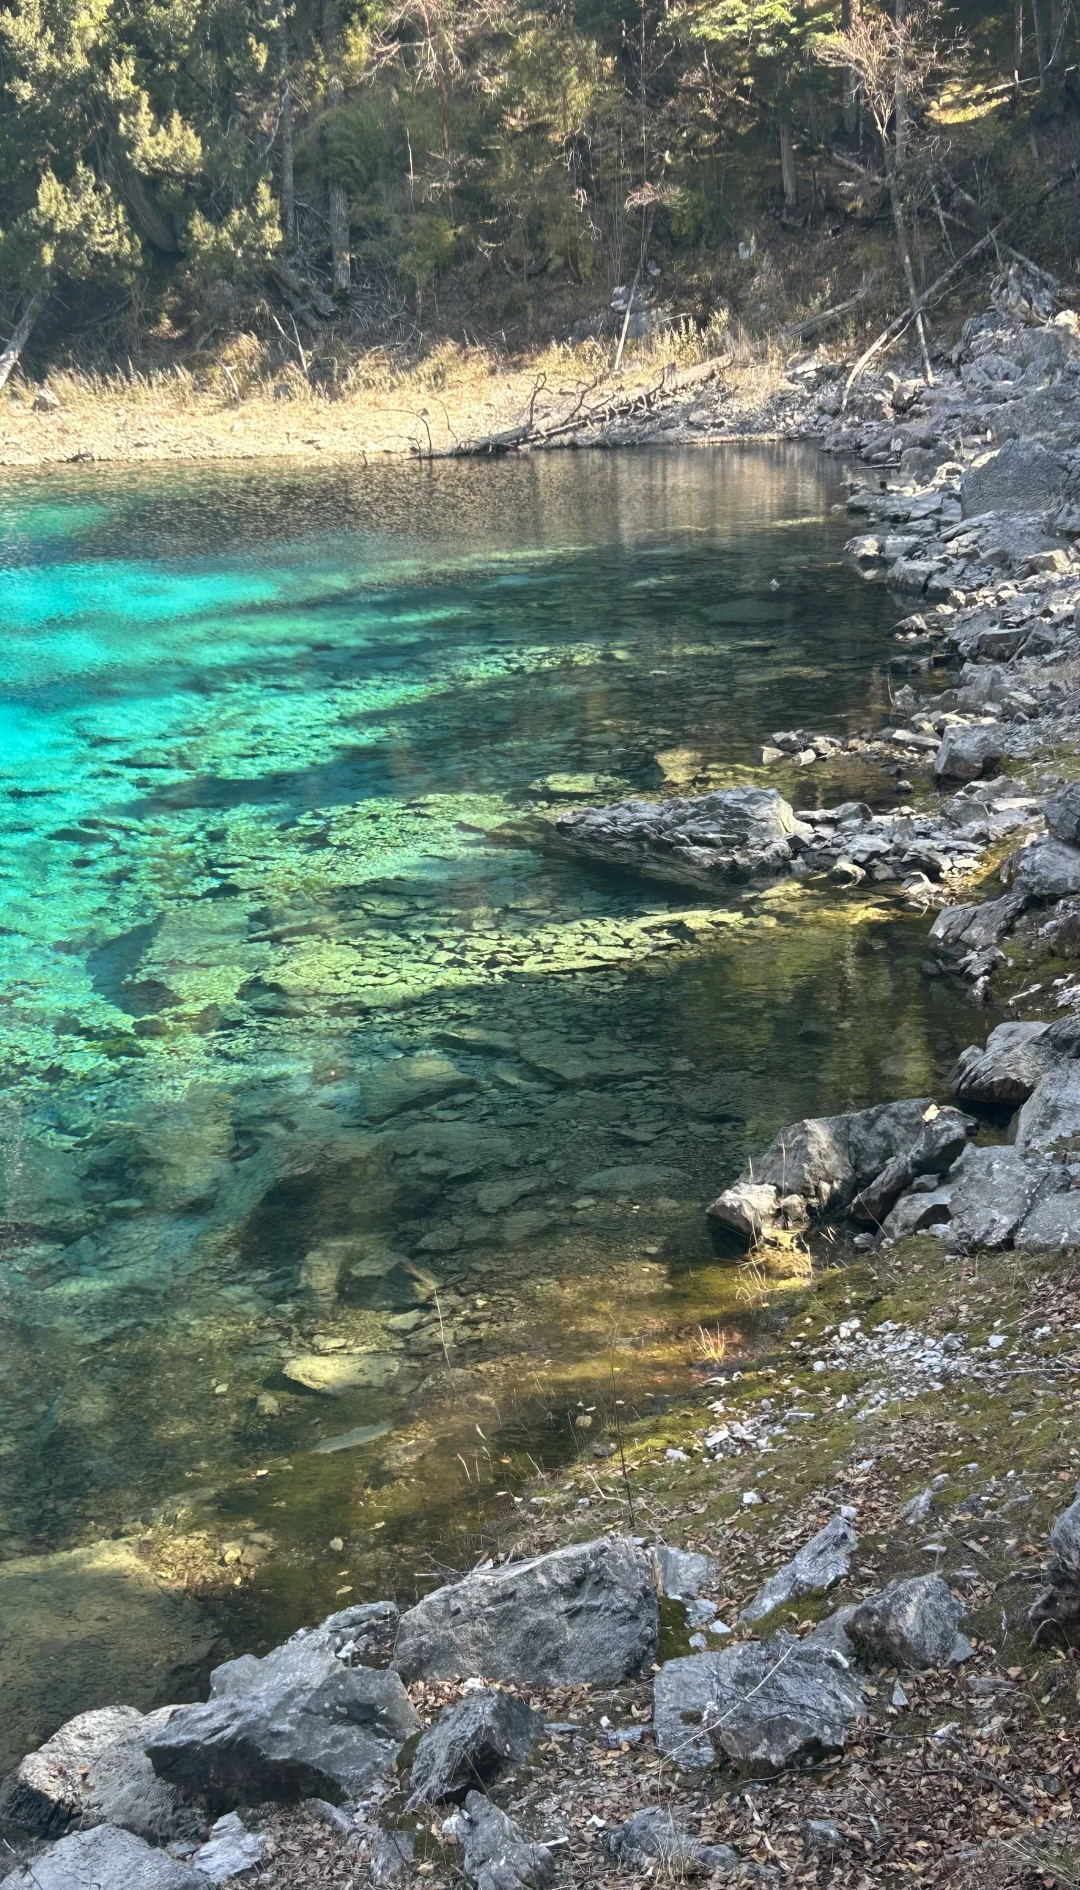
912	1623
122	1788
1052	1223
1023	477
767	1705
817	1567
1049	1121
1063	813
498	1856
654	1836
1045	869
300	1723
915	1212
736	834
583	1615
103	1859
933	1152
967	752
390	1857
1061	931
832	1632
993	1189
823	1159
684	1574
230	1851
1015	1058
960	931
481	1739
47	1791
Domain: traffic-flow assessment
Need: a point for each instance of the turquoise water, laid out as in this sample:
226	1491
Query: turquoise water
313	1051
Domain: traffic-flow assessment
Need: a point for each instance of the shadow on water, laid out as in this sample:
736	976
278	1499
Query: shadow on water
353	1147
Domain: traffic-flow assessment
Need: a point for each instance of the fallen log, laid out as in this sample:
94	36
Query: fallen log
299	293
802	331
530	432
901	322
31	309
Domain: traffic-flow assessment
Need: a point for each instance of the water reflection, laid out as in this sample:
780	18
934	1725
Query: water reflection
341	1134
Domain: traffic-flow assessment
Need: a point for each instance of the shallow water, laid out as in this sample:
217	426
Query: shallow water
274	746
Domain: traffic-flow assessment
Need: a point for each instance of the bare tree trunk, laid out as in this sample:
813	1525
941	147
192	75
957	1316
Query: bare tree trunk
337	203
900	89
1042	34
288	178
31	309
904	252
851	90
787	161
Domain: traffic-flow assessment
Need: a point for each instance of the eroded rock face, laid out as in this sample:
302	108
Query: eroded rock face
817	1567
737	834
821	1162
962	932
104	1859
767	1705
584	1615
498	1855
912	1623
300	1723
1023	477
473	1744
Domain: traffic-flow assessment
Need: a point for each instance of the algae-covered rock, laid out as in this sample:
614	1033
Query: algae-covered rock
734	834
335	1373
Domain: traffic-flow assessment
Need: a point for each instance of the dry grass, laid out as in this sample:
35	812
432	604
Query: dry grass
238	406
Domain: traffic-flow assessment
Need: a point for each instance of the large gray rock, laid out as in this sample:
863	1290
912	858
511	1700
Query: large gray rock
767	1705
498	1855
654	1836
933	1152
915	1212
993	1190
1046	869
817	1567
1063	813
1015	1058
822	1160
299	1724
960	932
122	1788
1023	477
48	1790
1049	1122
103	1859
585	1615
736	834
1052	1224
912	1623
472	1745
967	752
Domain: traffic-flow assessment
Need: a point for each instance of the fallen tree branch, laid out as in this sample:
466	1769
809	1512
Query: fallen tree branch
802	331
643	400
31	309
298	293
901	322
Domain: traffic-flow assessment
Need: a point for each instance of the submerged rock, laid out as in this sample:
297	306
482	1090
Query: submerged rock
103	1859
737	834
912	1623
298	1724
473	1744
583	1615
335	1373
498	1855
767	1705
817	1567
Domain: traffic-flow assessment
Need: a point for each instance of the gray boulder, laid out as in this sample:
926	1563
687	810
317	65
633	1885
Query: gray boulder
230	1851
1063	813
933	1152
912	1623
684	1574
299	1724
832	1632
1053	1223
961	932
1060	932
967	752
103	1859
654	1836
1046	869
817	1567
1060	1602
822	1161
1049	1121
992	1191
915	1212
736	834
767	1705
122	1788
1023	477
498	1856
585	1615
48	1790
1015	1058
472	1745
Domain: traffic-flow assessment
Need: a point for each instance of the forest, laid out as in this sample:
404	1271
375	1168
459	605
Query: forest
318	177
